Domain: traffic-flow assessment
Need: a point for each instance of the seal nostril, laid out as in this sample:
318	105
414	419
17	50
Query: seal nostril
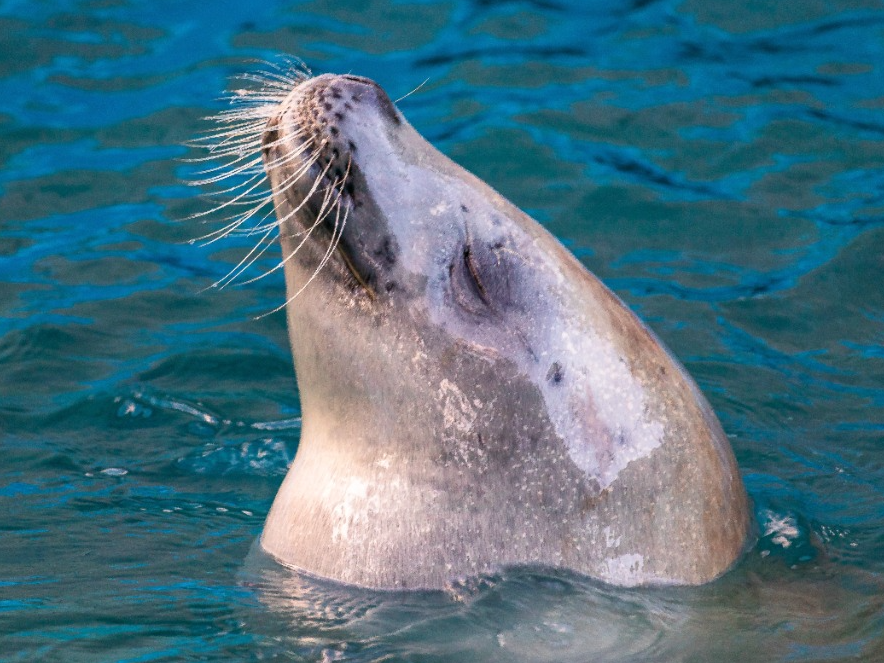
359	79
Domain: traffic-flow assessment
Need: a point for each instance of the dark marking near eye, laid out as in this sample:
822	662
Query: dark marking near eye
471	266
387	251
556	373
390	286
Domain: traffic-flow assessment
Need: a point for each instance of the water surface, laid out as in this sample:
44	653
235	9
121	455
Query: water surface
718	165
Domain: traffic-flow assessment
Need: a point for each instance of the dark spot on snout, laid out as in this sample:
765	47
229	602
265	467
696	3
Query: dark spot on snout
464	209
556	373
352	146
387	251
271	136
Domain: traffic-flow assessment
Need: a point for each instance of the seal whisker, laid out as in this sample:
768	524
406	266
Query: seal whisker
247	261
271	226
268	79
252	185
324	210
223	132
337	230
237	221
226	174
303	287
241	144
336	238
408	94
228	203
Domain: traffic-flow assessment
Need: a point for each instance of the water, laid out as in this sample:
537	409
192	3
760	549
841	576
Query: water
717	164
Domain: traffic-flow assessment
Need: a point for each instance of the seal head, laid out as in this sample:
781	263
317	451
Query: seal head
472	397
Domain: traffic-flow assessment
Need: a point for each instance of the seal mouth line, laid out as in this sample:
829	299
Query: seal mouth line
332	202
348	261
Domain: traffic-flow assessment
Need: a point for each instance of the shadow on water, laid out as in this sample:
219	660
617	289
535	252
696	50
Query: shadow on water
759	611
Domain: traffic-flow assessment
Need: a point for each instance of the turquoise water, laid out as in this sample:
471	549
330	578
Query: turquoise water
718	165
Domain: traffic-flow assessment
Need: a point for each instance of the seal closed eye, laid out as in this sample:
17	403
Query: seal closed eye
472	397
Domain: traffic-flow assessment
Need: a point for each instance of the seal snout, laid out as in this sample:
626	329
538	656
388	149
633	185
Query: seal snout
324	121
329	103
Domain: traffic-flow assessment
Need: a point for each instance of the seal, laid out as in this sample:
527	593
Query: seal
472	397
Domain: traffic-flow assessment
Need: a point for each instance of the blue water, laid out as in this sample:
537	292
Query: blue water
718	164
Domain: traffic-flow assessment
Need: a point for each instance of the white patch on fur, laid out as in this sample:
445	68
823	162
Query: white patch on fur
610	540
625	570
352	508
599	380
457	412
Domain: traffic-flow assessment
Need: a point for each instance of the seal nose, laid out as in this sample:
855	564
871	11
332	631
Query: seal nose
359	79
385	105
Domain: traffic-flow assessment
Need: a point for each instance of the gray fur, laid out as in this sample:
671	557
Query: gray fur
472	397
